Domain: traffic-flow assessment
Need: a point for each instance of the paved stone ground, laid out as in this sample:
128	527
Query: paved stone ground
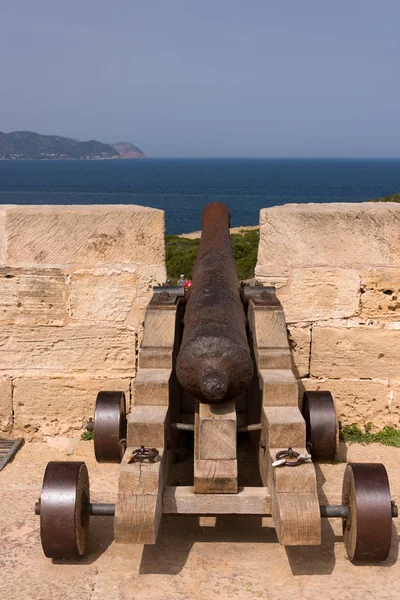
238	558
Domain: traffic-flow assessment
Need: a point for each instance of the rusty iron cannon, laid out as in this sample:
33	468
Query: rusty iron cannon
216	365
214	361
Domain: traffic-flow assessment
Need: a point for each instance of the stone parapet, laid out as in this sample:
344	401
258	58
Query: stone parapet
74	284
83	236
336	268
328	235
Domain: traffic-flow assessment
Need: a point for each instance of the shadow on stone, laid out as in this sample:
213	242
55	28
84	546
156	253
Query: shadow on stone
101	536
181	532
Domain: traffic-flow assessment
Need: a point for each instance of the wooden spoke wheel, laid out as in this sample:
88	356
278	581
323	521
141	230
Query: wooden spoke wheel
64	524
321	425
368	529
109	427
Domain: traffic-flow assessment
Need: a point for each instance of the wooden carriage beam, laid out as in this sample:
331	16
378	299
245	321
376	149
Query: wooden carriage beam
183	500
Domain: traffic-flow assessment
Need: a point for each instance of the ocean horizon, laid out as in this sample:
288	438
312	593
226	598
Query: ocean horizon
183	186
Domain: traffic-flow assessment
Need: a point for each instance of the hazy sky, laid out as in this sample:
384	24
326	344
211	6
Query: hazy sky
206	77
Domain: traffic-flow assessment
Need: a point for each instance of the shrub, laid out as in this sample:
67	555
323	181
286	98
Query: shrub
391	198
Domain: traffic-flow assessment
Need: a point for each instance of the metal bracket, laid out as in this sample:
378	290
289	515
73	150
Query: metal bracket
261	296
165	295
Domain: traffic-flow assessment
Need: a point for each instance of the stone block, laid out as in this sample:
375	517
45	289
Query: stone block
147	278
319	235
6	408
355	352
84	235
73	348
32	296
380	293
300	342
360	401
320	293
45	406
104	295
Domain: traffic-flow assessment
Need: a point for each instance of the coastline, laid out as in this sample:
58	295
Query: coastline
238	230
69	159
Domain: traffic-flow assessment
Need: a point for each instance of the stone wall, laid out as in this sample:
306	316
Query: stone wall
74	282
337	272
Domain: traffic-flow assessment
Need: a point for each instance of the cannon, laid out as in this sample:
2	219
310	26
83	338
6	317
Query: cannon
215	363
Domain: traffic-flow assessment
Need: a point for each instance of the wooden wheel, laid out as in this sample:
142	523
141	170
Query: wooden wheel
109	426
64	524
368	529
321	425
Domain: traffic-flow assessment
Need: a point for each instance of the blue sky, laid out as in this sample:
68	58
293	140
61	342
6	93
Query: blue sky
206	78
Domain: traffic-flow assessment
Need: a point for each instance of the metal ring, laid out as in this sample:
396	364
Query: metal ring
290	453
143	454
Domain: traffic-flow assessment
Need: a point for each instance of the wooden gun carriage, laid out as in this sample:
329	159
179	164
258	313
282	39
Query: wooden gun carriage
222	350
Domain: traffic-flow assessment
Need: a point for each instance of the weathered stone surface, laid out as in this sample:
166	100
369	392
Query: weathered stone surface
239	560
5	405
84	235
74	348
32	296
46	406
380	293
148	277
359	401
314	294
2	237
104	295
355	352
299	341
394	403
66	445
337	234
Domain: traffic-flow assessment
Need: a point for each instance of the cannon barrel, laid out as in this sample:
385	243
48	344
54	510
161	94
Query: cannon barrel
214	362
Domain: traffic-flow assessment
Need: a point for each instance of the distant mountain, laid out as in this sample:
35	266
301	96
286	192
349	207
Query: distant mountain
127	150
29	145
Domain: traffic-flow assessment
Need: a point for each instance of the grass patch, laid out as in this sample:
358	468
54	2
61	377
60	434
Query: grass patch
181	254
388	436
87	435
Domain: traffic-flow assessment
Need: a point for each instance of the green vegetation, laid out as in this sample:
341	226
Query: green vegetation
391	198
87	435
245	248
181	254
388	436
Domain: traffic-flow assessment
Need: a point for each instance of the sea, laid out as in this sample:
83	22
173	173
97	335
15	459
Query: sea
182	187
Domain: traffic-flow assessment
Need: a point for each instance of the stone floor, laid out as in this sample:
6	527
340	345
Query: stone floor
237	558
